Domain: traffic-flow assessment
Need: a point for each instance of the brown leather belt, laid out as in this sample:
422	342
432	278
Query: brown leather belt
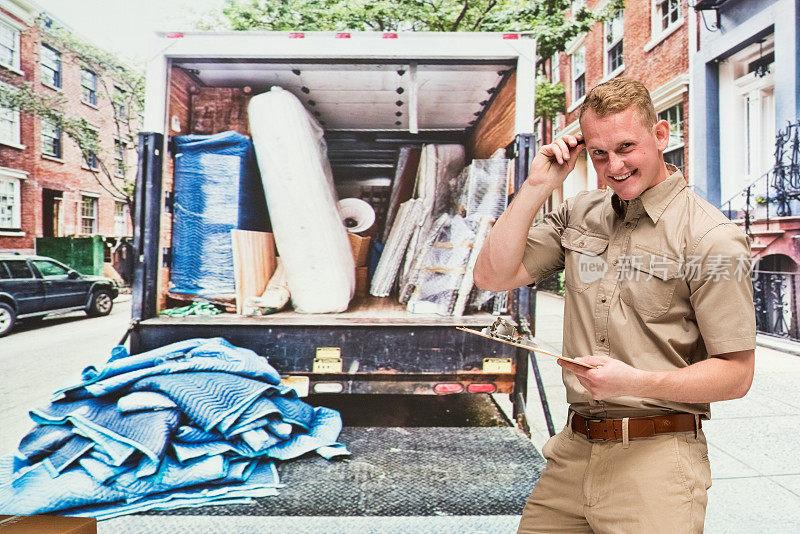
638	427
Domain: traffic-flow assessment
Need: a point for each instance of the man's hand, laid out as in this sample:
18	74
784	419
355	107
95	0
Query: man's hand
610	378
555	161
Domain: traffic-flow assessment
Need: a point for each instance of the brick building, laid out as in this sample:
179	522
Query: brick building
648	41
47	189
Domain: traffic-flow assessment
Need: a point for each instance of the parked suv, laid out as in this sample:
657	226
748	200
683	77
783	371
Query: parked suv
33	286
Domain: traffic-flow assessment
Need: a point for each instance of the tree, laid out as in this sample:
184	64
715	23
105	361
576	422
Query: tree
120	84
543	19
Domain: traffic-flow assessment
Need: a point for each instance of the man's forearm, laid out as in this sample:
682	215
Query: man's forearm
502	252
721	377
715	379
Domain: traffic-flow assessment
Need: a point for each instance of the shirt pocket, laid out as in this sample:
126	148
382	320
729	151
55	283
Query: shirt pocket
649	281
583	264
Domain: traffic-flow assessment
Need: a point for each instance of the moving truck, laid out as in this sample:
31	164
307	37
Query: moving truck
372	93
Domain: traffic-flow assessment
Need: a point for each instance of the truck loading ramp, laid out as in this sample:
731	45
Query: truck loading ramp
398	479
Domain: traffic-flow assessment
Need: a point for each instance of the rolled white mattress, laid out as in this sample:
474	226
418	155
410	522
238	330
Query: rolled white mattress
298	184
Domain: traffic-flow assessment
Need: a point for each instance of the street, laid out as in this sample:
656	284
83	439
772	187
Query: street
38	358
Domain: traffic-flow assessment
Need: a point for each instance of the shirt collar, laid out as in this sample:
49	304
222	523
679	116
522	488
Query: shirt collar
656	199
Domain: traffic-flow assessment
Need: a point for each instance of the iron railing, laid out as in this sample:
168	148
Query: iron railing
776	298
778	189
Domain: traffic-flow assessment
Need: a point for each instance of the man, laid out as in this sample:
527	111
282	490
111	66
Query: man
658	300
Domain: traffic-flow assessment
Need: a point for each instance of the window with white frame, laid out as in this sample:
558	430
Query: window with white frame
9	203
9	46
577	5
579	73
88	87
120	222
51	139
9	126
88	215
555	68
674	152
51	67
614	32
666	13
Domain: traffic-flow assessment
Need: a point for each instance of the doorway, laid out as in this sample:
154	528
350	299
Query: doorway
51	213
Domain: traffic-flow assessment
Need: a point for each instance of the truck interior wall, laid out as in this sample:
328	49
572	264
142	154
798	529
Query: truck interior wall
181	85
496	128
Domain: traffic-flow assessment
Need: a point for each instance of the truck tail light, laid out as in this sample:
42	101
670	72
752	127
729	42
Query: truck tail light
297	35
444	389
511	36
343	36
175	35
390	36
481	388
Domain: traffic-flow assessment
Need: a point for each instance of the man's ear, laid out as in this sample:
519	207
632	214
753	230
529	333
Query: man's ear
661	131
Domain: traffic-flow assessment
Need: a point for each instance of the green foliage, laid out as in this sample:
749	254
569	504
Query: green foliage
544	19
550	98
122	85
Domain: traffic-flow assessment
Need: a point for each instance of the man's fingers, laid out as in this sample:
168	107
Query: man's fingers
564	148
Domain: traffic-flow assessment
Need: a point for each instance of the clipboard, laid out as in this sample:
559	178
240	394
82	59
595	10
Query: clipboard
527	347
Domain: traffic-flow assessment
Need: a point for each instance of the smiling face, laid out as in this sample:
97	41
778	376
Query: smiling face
627	155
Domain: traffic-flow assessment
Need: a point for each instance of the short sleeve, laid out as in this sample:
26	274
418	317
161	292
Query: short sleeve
722	290
543	253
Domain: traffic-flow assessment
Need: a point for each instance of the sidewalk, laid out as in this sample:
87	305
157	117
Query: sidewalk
754	442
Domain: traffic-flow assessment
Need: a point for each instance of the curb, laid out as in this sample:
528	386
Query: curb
777	343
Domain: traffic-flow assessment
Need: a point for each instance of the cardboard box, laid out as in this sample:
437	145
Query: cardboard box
361	282
360	247
47	524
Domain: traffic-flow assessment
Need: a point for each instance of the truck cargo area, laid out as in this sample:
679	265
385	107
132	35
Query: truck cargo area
372	94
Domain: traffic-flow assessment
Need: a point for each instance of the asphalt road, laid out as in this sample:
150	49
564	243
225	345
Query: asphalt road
38	358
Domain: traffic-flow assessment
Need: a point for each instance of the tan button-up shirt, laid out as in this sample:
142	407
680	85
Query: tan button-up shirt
659	282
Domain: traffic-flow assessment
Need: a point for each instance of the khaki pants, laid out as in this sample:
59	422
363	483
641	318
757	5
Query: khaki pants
651	485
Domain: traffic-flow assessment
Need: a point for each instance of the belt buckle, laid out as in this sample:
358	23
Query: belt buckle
586	422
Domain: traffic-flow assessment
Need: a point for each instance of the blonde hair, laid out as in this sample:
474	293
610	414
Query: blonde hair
617	95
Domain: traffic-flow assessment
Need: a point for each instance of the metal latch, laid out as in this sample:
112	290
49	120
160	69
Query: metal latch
166	257
328	360
169	202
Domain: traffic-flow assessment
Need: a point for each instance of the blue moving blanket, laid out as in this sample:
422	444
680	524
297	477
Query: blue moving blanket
190	424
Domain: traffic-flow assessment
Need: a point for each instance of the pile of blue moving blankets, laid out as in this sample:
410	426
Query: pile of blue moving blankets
193	423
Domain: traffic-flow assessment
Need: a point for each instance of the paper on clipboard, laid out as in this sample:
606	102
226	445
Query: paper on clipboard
527	347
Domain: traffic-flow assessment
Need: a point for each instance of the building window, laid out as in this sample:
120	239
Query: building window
674	152
119	157
51	139
578	74
121	103
9	46
555	68
88	215
9	126
9	203
91	161
614	34
120	222
51	67
89	87
667	13
577	5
